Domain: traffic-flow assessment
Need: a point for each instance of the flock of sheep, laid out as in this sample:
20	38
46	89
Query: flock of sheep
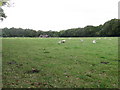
93	41
63	41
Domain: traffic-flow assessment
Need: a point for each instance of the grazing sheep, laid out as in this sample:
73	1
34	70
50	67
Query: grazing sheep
94	41
81	40
62	41
59	42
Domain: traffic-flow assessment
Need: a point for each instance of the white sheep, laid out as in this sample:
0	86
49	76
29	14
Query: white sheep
81	40
94	41
59	42
62	41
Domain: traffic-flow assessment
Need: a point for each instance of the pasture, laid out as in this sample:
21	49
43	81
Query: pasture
43	63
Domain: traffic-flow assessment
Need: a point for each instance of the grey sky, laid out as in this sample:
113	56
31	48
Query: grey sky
59	14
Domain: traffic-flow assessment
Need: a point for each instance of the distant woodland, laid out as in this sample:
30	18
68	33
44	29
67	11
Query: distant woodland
110	28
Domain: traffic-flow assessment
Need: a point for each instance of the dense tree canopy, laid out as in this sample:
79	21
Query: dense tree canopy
109	28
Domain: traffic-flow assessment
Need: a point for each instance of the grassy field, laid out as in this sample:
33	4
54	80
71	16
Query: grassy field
43	63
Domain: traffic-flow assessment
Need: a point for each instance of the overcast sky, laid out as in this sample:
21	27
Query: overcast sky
59	14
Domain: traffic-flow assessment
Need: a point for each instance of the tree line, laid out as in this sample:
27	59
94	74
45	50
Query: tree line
110	28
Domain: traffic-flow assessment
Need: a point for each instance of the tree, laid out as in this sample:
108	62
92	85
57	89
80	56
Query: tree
109	28
3	3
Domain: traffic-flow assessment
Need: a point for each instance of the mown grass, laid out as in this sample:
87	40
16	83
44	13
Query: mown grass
73	64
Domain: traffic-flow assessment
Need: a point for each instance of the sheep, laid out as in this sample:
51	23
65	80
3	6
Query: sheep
59	42
81	40
62	41
94	41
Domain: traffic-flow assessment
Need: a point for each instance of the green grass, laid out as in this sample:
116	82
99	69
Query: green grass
73	64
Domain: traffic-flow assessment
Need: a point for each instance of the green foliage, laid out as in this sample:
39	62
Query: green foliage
109	28
3	3
2	14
